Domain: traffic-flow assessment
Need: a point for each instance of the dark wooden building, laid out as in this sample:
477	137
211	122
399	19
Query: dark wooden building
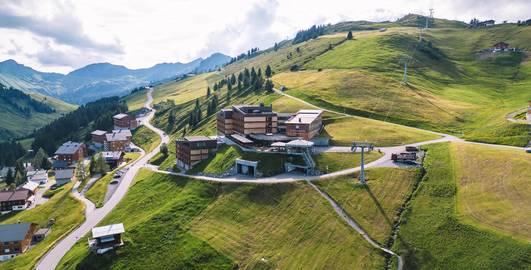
192	150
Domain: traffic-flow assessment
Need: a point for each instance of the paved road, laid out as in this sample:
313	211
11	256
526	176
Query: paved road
94	216
510	117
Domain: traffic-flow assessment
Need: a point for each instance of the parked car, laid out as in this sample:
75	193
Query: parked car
528	150
114	182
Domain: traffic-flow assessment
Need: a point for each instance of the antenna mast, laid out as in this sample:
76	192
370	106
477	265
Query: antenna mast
428	18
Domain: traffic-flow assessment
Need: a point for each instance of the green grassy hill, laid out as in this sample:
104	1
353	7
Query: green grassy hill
20	117
450	88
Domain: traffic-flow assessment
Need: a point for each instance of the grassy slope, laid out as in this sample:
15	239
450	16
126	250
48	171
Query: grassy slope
494	188
156	213
145	138
331	162
433	236
67	212
18	124
450	90
136	101
373	208
343	131
198	225
97	191
284	226
186	90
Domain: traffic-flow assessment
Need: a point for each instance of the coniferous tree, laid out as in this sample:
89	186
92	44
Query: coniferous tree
349	35
10	178
164	149
268	72
40	160
208	91
269	86
92	166
232	79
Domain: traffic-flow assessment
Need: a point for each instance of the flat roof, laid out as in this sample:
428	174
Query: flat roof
299	143
197	138
108	230
240	138
98	132
120	116
14	232
305	117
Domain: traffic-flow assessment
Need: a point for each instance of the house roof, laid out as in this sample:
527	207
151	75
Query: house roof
64	174
30	186
120	116
19	194
14	232
59	164
240	138
98	132
68	148
108	230
112	155
118	135
305	117
37	175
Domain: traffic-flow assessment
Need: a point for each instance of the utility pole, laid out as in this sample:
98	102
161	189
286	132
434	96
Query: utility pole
362	145
404	79
427	18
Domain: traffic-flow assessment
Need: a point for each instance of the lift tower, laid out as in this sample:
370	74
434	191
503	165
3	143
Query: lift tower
362	145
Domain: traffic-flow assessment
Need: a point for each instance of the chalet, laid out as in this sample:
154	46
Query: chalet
17	200
305	124
39	177
118	140
113	158
106	238
63	176
71	152
15	239
124	121
192	150
98	137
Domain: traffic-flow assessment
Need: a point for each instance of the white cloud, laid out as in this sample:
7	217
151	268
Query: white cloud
62	35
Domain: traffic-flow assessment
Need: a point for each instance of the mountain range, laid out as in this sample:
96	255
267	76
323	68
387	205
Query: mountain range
98	80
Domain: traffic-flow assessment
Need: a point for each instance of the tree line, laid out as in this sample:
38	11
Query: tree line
310	33
22	102
98	114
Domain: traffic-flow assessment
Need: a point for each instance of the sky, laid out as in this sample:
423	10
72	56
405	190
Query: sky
63	35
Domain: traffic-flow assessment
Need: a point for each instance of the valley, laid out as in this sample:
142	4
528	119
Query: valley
218	180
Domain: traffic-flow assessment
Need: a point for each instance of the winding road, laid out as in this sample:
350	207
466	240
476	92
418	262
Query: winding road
93	215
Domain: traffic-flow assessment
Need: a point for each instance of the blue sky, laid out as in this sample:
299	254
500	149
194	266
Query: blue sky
63	35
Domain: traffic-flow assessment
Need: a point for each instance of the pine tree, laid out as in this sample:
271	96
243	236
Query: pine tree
10	178
268	72
92	166
233	79
40	160
269	86
349	35
164	149
208	91
275	47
